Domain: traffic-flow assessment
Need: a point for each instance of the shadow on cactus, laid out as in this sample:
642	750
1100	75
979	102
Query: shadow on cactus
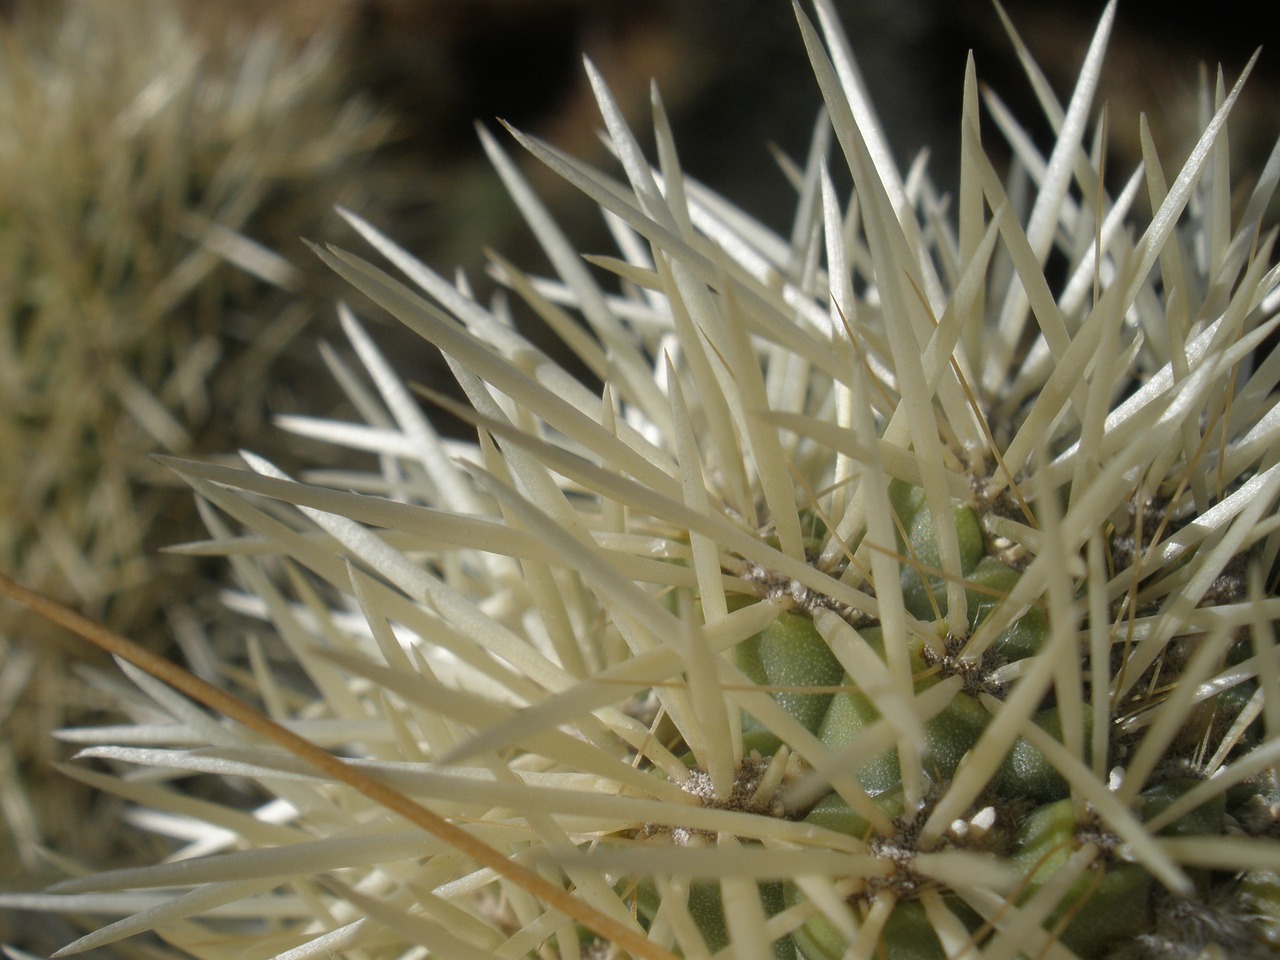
888	600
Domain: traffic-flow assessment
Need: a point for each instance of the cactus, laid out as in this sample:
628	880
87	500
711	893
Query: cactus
139	159
875	600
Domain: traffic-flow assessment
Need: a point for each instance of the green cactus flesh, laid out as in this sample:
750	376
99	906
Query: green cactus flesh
1037	826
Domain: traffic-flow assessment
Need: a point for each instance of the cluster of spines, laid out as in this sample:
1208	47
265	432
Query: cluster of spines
776	459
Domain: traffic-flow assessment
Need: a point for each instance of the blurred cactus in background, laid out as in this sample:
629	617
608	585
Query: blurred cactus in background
148	172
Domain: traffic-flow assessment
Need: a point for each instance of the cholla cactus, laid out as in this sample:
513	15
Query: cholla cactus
882	602
133	153
137	155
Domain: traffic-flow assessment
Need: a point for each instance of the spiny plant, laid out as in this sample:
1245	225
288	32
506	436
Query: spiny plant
137	156
882	597
136	153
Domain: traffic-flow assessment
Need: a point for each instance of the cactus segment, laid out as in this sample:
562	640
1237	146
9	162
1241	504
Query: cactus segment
1111	900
